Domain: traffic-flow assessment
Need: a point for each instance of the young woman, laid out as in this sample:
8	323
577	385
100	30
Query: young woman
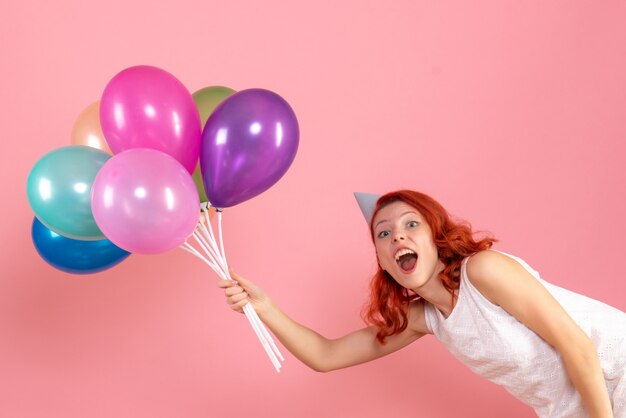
560	352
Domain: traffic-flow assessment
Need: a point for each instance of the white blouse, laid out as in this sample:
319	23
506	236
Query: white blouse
495	345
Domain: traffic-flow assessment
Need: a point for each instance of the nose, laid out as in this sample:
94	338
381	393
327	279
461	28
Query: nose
398	237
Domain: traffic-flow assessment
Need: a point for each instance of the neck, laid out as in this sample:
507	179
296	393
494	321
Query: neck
434	292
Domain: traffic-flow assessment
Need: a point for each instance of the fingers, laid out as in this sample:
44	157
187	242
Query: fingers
236	277
238	291
238	307
238	301
236	296
233	290
226	284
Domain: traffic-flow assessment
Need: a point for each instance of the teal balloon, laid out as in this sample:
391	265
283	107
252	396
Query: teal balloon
74	256
59	190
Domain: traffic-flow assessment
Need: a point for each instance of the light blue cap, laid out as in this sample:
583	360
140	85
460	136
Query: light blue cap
367	203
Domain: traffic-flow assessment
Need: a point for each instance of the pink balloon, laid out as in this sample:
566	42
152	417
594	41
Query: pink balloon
144	201
147	107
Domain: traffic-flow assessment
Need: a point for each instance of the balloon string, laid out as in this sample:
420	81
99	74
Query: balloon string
208	236
209	252
208	239
185	246
257	327
264	331
219	228
266	335
210	230
215	257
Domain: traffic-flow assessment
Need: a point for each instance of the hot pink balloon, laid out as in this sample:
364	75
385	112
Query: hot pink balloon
144	201
147	107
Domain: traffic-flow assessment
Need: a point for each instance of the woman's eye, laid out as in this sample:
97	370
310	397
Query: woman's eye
383	234
412	224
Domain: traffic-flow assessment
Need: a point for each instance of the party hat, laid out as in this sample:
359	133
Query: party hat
367	203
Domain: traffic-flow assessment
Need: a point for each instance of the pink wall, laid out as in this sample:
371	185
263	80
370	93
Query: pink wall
510	113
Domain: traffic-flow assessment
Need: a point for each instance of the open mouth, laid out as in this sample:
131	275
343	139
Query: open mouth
406	259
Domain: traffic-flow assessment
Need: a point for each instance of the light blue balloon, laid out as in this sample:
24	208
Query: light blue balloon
59	190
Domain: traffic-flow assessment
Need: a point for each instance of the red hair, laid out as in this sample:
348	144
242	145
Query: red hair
388	306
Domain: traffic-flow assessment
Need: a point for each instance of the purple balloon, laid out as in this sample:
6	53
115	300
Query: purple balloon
144	201
248	143
146	107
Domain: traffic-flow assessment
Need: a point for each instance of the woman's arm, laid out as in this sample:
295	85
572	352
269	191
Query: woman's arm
314	350
506	283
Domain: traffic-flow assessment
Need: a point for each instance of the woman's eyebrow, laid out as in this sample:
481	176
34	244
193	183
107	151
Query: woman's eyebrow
380	222
405	213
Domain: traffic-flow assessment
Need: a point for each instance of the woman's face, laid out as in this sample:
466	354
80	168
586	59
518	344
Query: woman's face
404	245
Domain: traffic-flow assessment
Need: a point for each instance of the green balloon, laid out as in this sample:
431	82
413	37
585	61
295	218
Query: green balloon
207	99
59	190
197	178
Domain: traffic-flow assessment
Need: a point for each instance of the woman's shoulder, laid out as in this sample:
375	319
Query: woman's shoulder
486	269
487	263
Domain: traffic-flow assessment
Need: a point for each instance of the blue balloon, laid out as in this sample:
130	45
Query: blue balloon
75	256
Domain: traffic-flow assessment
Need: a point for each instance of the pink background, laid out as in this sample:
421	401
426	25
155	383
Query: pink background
510	113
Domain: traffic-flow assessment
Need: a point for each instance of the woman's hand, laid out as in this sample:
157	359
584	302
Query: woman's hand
241	291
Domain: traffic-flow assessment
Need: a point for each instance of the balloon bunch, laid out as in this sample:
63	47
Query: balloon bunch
143	159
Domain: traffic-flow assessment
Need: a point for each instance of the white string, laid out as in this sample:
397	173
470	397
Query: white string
210	237
193	251
257	329
219	228
210	231
185	246
251	312
201	230
266	334
210	247
215	257
207	233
